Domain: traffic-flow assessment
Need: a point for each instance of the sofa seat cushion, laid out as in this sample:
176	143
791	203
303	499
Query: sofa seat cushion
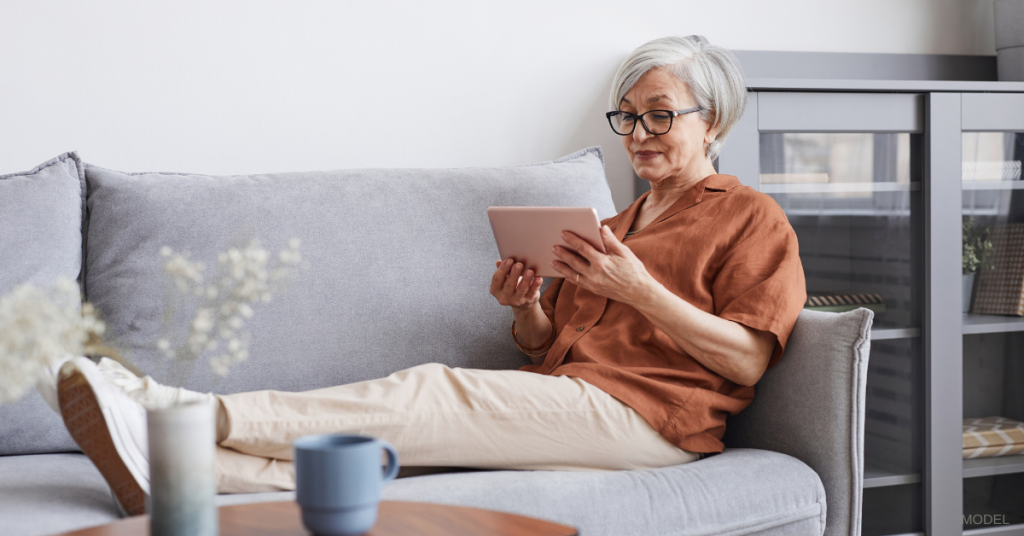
52	493
740	491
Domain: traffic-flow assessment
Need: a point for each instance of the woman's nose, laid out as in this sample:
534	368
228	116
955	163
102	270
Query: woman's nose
640	133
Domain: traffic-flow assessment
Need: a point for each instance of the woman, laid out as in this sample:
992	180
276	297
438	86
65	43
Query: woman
638	354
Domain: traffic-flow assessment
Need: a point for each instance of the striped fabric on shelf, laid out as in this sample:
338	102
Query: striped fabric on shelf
993	436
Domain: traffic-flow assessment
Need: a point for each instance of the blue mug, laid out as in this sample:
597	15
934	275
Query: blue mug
338	479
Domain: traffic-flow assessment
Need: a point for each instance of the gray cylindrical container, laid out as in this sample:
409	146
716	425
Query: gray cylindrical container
183	486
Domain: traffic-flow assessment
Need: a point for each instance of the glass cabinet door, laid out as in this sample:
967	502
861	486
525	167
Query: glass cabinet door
992	199
846	169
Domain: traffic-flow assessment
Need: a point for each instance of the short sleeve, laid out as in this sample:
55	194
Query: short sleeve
761	281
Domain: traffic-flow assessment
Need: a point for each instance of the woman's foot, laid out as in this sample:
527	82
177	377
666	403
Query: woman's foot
152	395
146	391
110	428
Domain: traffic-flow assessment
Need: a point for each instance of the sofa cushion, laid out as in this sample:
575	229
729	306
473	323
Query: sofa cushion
811	406
40	240
738	492
52	493
399	263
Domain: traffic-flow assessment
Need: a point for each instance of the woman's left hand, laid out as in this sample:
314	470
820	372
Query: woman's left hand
619	275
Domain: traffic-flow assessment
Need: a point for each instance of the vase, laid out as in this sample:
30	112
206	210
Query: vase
182	451
1009	33
968	282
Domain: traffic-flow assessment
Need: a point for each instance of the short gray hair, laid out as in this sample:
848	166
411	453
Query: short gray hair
712	73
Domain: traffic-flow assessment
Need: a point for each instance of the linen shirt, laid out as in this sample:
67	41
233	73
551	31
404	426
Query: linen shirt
725	248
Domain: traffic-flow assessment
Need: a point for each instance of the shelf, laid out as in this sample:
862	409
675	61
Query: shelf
999	465
849	85
840	187
974	324
993	185
877	478
868	212
1005	530
895	333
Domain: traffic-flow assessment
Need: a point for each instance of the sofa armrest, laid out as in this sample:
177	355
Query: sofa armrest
811	406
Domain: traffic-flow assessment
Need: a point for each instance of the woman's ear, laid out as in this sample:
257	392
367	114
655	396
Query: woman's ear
711	134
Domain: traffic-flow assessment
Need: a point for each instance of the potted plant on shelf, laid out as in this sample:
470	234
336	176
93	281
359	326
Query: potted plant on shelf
977	254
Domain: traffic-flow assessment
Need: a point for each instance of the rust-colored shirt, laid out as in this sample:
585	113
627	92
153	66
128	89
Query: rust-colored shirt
723	247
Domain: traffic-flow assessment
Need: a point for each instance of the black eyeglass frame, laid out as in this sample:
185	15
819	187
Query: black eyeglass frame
671	120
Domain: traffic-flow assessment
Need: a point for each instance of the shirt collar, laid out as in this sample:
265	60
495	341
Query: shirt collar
689	198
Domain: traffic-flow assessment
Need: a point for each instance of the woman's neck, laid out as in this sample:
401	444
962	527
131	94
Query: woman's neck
668	191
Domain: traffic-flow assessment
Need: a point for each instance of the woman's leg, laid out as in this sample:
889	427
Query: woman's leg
440	416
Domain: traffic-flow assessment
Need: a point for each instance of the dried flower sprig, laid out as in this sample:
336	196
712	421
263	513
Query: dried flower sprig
226	303
40	327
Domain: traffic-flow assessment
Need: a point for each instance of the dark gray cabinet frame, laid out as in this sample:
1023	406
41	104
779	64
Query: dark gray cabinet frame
941	111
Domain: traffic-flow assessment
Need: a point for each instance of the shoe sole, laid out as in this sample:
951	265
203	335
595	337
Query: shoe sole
87	426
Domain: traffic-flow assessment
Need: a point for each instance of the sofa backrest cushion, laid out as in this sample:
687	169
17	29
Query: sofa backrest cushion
811	406
40	241
399	264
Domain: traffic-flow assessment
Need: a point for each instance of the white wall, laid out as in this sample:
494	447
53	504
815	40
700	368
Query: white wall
251	86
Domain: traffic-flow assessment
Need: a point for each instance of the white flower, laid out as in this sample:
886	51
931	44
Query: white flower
39	326
246	276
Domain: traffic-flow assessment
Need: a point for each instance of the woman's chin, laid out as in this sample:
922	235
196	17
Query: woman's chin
648	176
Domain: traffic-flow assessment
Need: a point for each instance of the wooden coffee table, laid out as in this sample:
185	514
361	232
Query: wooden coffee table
395	518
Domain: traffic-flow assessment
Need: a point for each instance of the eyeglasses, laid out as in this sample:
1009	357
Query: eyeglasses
658	122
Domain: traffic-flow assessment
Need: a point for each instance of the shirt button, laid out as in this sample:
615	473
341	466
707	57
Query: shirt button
580	328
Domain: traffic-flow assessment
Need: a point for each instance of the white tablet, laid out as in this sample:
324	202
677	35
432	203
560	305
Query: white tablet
527	234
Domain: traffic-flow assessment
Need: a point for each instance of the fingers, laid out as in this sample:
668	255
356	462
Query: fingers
535	287
509	287
611	242
524	286
564	269
582	247
500	275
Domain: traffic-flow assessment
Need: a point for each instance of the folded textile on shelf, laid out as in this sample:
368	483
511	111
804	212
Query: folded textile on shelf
992	436
1000	170
840	303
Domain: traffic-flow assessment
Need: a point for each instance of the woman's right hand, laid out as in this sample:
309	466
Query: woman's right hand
509	289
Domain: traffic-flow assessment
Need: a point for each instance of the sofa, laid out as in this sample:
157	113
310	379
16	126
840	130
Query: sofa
397	265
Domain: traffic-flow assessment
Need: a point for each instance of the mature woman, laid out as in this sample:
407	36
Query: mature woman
638	354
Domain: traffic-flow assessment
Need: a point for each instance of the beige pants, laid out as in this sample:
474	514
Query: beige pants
440	416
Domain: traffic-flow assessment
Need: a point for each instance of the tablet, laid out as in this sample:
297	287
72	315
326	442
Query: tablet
527	234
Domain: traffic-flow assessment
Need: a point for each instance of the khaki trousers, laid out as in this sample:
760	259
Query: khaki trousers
447	417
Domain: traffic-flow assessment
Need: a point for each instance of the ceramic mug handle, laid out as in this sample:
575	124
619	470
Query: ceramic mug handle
391	471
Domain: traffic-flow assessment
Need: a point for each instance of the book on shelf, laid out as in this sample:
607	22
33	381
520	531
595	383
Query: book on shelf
1000	170
1001	288
840	303
988	437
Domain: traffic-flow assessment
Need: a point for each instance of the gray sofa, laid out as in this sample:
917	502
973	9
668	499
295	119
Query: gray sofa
398	267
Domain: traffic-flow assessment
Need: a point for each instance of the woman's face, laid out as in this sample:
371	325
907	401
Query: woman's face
681	152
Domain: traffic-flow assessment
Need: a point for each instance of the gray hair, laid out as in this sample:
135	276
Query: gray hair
712	73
